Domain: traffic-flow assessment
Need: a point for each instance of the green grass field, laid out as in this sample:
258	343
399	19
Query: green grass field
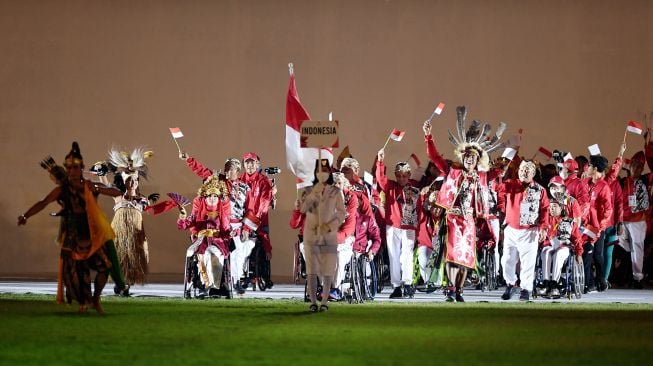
152	331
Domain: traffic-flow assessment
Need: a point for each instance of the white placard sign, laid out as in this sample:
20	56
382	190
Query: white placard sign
319	134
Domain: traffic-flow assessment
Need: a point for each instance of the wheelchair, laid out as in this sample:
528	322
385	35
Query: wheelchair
361	282
193	286
485	276
572	278
382	269
299	264
257	269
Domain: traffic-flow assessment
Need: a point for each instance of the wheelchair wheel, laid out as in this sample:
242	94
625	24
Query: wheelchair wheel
382	271
227	284
578	277
358	280
490	269
368	274
262	270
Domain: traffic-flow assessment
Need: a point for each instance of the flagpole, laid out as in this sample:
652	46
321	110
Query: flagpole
176	143
625	134
386	142
432	115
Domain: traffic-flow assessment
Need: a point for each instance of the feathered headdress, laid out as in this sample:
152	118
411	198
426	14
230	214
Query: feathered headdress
132	164
476	139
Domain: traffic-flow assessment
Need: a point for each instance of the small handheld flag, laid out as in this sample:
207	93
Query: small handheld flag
588	232
509	153
634	127
395	135
438	110
545	152
176	133
594	149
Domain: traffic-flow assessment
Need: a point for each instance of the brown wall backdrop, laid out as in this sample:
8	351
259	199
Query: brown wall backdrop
570	73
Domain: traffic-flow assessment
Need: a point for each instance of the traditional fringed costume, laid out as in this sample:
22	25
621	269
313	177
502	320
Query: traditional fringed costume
464	194
131	241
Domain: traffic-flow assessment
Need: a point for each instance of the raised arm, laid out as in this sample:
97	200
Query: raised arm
432	151
194	165
381	178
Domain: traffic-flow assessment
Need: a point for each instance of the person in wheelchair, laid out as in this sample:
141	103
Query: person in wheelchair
562	237
346	233
208	223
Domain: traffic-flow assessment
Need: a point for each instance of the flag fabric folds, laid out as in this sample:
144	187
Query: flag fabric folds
634	127
397	135
301	161
176	132
439	108
545	152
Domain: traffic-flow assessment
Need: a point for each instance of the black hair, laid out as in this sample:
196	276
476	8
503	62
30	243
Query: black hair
599	162
317	166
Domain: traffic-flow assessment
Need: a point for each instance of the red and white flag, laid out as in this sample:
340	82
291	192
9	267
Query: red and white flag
439	109
545	152
301	161
415	159
634	127
176	132
397	135
589	232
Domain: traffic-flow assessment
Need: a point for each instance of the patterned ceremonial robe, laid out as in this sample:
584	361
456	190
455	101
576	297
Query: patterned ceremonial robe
461	225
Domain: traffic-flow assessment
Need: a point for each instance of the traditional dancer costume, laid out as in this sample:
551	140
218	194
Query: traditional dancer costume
131	241
464	194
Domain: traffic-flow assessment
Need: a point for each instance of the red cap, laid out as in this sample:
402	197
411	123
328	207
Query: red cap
250	156
557	180
571	165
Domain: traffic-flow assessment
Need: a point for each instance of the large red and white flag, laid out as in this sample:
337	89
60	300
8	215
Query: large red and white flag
397	135
634	127
301	161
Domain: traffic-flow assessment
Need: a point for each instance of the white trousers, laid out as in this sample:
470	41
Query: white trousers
495	225
213	261
345	251
636	232
520	245
401	243
423	254
239	256
552	262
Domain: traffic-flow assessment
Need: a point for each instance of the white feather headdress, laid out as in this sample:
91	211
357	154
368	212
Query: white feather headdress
128	164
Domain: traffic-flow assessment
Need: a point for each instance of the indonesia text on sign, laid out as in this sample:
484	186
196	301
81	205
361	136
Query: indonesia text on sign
319	134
